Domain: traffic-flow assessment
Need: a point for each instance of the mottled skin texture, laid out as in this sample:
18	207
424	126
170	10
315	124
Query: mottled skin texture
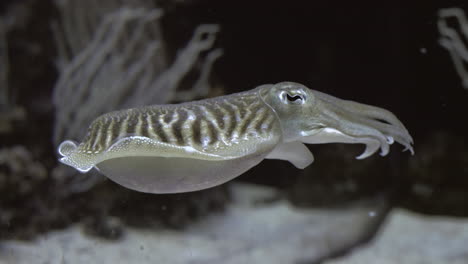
210	126
212	129
196	145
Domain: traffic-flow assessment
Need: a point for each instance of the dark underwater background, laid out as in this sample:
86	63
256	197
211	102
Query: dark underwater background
386	53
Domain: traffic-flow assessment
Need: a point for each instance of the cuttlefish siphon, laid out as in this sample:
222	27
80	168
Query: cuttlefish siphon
197	145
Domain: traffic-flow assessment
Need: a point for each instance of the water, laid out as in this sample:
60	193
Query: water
62	65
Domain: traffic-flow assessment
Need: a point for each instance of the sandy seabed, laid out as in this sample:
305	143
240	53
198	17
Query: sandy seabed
252	232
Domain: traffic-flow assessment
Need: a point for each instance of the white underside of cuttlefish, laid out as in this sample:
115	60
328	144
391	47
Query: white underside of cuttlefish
201	144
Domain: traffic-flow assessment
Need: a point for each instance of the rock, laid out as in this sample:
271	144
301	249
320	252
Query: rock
411	238
253	228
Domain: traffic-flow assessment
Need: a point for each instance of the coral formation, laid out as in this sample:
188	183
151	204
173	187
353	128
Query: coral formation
454	39
123	59
97	42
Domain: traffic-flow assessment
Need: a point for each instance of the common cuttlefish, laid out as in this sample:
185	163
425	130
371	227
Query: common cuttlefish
197	145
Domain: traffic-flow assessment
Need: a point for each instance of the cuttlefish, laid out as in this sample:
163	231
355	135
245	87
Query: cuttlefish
197	145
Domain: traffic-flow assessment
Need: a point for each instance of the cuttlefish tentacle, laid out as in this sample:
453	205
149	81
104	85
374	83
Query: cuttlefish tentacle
369	111
360	120
201	144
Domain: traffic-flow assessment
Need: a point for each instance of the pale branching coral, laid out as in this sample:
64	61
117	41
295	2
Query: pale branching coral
79	20
122	63
455	40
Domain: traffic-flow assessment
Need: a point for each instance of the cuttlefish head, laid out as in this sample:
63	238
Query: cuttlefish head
313	117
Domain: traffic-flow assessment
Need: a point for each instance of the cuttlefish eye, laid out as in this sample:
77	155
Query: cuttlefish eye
292	98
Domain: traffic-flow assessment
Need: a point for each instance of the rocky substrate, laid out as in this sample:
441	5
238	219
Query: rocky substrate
257	229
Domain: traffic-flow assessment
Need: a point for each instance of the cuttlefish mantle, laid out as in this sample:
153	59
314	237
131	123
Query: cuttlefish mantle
200	144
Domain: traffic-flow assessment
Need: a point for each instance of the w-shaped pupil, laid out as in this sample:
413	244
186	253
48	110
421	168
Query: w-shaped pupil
293	98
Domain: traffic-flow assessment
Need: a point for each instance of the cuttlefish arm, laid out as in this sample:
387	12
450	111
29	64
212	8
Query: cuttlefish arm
369	120
201	144
295	152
